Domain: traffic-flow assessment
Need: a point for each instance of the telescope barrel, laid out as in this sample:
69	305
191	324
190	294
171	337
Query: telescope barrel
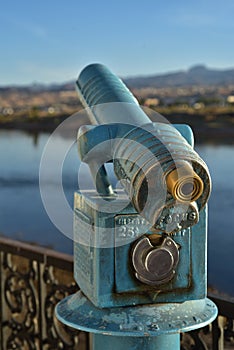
151	158
97	85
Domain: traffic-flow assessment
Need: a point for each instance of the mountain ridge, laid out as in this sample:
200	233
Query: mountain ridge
196	75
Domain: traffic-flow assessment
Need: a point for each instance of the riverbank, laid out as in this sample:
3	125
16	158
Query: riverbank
45	124
207	127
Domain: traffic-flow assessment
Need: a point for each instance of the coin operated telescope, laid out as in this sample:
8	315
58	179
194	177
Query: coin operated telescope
139	251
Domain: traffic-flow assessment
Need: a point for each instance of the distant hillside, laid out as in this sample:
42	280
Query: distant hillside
38	88
197	75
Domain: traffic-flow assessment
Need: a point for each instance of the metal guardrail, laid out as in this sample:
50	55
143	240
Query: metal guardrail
33	279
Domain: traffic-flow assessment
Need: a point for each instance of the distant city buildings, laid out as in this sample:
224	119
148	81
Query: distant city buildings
33	103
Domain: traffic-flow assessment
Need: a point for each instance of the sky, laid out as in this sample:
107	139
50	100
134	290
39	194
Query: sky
52	41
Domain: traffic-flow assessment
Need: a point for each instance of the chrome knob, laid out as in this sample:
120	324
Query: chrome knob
155	264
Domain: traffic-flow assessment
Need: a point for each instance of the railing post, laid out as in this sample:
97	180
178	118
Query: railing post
218	333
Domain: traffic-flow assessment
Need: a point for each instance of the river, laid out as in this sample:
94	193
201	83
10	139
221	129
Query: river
23	217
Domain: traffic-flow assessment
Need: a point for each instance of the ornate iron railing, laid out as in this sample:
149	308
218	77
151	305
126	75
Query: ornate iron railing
33	279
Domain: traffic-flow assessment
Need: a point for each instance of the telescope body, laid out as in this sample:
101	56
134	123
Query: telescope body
139	250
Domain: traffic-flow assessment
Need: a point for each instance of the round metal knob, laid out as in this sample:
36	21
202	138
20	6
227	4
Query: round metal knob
159	262
155	265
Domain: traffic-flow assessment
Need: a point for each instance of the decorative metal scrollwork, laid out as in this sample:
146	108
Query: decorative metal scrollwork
59	336
20	341
30	289
192	341
20	303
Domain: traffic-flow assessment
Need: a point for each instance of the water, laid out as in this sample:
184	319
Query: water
23	217
220	159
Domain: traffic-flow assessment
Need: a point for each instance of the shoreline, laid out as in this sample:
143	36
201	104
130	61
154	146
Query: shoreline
217	129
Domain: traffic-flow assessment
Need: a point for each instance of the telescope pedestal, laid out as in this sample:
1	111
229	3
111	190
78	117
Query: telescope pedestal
162	342
143	327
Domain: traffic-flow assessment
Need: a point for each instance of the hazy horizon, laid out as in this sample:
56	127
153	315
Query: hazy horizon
71	80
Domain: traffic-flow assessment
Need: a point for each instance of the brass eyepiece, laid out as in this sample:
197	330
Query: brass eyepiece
184	184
